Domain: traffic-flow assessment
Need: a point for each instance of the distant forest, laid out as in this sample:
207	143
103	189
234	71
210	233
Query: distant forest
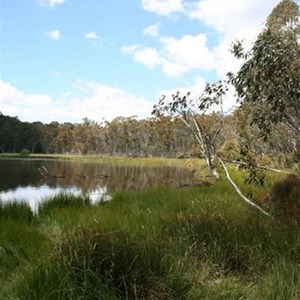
163	136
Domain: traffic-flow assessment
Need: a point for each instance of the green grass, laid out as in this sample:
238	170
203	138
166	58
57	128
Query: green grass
163	243
18	211
62	201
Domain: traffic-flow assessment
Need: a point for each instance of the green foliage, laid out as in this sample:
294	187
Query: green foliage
269	79
230	150
265	160
24	153
194	115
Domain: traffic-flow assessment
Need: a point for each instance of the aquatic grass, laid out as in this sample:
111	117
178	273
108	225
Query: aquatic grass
164	243
117	160
232	246
18	211
62	201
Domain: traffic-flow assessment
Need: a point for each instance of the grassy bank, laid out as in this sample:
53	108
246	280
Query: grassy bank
192	243
120	160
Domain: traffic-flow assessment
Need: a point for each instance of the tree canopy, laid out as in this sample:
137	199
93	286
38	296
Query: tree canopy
269	79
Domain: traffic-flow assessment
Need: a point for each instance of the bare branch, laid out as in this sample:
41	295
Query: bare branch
239	192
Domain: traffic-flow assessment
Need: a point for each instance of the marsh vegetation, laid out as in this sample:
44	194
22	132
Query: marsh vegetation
158	243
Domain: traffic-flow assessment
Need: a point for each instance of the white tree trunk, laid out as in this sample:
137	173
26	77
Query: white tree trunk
239	192
212	169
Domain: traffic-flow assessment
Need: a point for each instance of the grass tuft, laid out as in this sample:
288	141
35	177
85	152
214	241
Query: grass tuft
62	201
90	263
17	211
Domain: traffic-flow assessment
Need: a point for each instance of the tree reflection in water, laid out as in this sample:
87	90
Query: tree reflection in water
21	180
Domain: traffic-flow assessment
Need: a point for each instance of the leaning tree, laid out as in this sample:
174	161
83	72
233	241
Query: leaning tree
190	111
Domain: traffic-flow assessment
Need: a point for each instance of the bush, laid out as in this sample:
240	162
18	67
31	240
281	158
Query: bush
265	160
24	153
230	150
285	196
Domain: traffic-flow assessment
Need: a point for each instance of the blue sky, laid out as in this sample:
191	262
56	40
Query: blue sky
64	60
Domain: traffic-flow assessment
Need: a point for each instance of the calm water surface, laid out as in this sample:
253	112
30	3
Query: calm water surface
20	179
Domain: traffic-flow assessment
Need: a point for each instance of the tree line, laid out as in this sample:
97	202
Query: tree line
164	136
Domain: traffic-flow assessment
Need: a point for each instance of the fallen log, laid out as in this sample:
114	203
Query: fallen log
45	174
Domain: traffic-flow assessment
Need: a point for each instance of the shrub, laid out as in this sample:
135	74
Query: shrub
230	150
265	160
24	153
285	196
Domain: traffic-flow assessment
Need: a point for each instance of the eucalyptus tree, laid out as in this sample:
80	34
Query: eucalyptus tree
269	79
64	139
190	111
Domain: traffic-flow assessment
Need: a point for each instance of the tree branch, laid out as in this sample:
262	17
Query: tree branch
239	192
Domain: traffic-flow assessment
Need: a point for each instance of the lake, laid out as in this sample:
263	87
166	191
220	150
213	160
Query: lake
34	180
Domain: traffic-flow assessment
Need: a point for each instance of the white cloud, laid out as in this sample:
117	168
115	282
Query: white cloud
92	100
189	52
30	107
147	56
92	35
129	49
238	18
175	56
54	35
102	101
163	7
152	30
195	90
50	3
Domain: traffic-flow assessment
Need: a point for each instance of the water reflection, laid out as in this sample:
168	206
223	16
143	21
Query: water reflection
21	180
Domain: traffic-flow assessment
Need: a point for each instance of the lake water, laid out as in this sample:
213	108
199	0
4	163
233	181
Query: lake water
26	179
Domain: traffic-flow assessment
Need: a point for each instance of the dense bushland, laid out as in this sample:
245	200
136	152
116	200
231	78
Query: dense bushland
164	137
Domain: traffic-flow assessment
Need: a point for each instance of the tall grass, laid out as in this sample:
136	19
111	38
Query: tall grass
21	246
163	243
92	264
18	211
62	201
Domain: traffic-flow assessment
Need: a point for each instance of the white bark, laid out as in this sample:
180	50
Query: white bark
215	173
211	168
239	192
